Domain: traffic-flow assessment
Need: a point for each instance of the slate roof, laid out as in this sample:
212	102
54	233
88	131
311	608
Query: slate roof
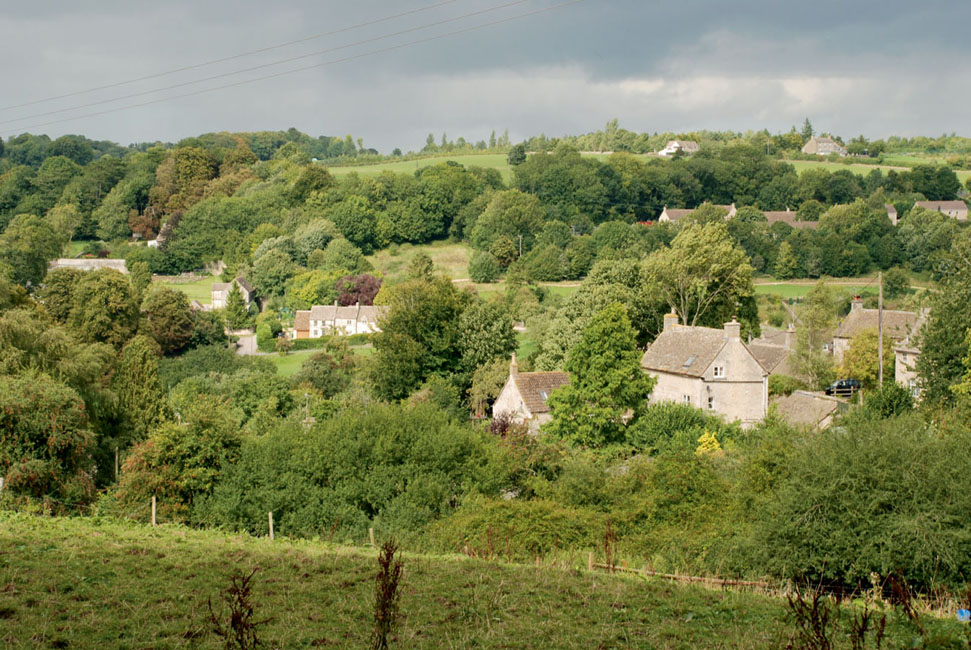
789	217
684	350
942	206
301	320
803	408
243	284
536	387
896	324
688	145
371	313
221	286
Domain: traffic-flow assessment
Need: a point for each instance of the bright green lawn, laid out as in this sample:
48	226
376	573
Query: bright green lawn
200	290
488	160
289	364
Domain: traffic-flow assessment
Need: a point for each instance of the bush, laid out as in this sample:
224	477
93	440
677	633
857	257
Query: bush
888	401
874	496
669	427
395	467
785	385
484	267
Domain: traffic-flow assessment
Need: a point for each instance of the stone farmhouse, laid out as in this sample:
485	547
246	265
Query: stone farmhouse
774	350
88	264
897	325
336	319
789	217
677	214
708	368
523	397
674	146
954	209
220	292
823	146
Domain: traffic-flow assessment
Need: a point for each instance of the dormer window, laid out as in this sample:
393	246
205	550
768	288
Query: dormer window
719	371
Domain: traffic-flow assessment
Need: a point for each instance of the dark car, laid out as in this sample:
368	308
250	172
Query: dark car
843	387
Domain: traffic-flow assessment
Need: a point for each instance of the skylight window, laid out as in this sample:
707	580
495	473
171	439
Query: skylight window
544	395
691	359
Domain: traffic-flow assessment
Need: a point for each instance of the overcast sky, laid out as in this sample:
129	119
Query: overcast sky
876	67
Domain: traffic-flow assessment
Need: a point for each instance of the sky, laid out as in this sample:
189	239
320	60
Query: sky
543	66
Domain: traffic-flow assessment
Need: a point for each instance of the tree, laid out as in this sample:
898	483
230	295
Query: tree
104	309
504	250
357	289
168	318
271	272
356	220
786	263
139	388
27	245
323	373
807	130
517	155
607	385
140	277
237	316
510	213
484	267
487	382
421	267
704	277
860	360
57	294
45	442
895	282
342	255
486	333
817	320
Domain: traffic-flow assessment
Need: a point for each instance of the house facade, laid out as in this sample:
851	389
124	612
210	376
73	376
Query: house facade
711	369
823	146
524	395
676	214
674	146
221	290
340	320
897	325
954	209
905	356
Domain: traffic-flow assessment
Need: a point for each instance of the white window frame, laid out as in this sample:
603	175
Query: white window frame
686	399
718	371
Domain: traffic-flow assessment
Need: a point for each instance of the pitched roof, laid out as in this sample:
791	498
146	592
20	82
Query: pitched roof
805	408
301	320
942	206
770	356
221	286
243	284
536	387
789	217
684	350
896	324
674	214
323	312
371	313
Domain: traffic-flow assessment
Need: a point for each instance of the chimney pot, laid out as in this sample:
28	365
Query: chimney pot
733	330
670	321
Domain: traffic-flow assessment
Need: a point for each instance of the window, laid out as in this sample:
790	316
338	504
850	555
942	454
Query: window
544	395
711	403
719	372
686	399
691	360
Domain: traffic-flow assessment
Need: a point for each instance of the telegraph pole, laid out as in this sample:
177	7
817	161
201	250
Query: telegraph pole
880	330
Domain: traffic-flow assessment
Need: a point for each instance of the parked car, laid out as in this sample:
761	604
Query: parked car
843	387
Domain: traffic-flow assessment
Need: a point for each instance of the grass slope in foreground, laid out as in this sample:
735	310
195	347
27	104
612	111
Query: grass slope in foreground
89	584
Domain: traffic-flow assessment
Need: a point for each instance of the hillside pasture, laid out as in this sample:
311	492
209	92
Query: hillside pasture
196	288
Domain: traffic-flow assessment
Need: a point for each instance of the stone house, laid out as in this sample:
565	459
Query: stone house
524	395
774	350
789	217
897	325
674	146
891	213
954	209
676	214
336	319
823	146
220	292
711	369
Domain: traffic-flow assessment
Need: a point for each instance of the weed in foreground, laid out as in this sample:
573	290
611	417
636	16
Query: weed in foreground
386	595
239	630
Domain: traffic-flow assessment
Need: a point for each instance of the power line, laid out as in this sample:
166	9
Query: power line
265	65
230	58
316	65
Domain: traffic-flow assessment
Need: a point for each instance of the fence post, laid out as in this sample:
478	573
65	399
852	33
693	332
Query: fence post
590	561
116	464
1	485
271	525
370	533
153	510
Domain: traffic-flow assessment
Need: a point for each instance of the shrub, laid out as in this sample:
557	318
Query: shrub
876	496
887	401
669	427
484	267
785	385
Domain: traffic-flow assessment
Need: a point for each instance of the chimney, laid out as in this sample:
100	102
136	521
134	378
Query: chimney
790	337
670	321
733	330
857	303
513	366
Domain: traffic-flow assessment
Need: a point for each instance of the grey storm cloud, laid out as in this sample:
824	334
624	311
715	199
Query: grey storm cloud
877	68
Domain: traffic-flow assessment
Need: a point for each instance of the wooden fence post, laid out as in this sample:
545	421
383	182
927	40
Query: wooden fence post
153	510
370	533
270	514
116	464
590	561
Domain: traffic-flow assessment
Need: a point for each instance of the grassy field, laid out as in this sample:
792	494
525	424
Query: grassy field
289	364
453	259
800	289
98	583
487	160
200	289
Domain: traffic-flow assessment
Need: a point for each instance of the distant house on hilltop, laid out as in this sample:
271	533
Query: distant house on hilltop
523	397
674	215
88	264
954	209
708	368
684	146
823	146
220	292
